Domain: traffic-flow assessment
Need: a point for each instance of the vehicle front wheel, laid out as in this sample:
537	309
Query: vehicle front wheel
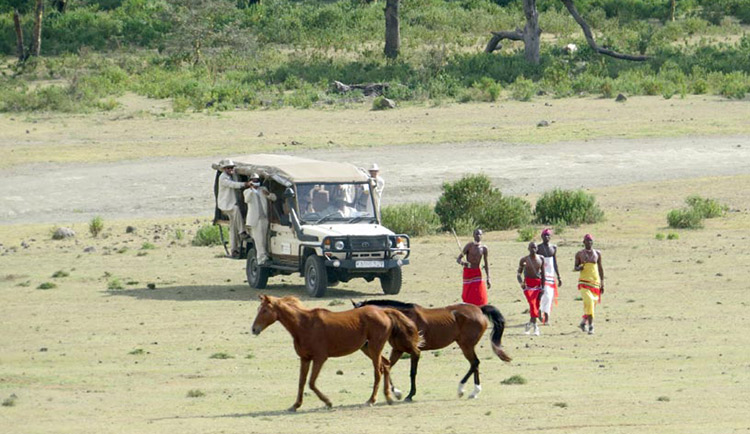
316	276
391	282
257	276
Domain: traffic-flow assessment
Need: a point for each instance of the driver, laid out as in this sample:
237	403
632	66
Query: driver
339	207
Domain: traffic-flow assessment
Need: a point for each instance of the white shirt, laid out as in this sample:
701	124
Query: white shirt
257	205
227	199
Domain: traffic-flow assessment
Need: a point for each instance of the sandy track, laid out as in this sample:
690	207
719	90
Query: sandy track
183	186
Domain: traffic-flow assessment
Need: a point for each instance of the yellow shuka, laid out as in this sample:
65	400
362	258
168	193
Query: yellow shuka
589	285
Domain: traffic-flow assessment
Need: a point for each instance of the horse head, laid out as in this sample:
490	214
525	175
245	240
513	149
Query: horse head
267	313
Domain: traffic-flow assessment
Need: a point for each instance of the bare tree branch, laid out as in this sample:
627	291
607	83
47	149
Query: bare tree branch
590	37
494	43
19	35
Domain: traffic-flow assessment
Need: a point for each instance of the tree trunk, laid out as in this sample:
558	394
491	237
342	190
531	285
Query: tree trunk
392	31
36	37
590	37
531	32
672	8
19	35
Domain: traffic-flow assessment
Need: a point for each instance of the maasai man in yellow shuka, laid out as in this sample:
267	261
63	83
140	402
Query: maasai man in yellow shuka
591	281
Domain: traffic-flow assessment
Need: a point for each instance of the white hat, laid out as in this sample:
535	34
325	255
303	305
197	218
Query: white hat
254	176
223	164
374	167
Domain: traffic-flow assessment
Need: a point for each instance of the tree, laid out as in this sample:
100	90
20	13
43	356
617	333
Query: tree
392	30
530	34
20	6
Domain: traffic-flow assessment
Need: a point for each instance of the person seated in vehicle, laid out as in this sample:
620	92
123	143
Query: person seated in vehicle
319	197
257	198
339	207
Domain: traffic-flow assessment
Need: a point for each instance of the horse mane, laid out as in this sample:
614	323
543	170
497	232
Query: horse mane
388	303
292	301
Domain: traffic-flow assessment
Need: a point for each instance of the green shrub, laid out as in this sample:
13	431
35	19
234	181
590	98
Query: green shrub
60	273
208	235
706	207
472	199
47	285
147	246
195	393
96	225
514	380
220	356
684	218
660	236
413	219
522	89
673	236
526	234
115	283
569	207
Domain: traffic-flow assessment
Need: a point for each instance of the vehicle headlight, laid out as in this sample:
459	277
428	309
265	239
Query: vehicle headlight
339	245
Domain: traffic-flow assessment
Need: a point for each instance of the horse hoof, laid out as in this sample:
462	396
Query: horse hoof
292	409
397	393
460	394
329	405
389	401
408	399
369	403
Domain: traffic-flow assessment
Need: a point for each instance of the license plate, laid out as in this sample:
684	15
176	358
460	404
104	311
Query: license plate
369	264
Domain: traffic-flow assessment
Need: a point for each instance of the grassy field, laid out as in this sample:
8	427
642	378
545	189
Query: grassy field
143	128
669	356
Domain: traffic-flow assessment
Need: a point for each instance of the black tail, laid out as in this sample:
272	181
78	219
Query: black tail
498	327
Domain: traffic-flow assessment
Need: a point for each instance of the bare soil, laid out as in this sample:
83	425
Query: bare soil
171	187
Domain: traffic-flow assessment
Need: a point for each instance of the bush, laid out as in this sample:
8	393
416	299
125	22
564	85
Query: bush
208	235
526	234
569	207
115	283
707	208
96	225
473	199
684	218
47	285
413	219
660	236
673	236
522	89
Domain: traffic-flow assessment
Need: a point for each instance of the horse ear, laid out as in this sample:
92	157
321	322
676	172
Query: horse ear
353	303
263	298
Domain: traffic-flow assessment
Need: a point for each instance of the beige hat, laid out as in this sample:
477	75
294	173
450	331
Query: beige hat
254	176
223	164
374	168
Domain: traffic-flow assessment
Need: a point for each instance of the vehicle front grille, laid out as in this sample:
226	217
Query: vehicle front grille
369	244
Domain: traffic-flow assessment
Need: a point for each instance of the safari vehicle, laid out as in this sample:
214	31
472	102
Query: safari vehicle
324	224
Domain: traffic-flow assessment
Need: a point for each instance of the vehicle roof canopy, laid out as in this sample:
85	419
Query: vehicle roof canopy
287	170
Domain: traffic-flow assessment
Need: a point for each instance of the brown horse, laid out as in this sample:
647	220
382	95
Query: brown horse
319	334
462	323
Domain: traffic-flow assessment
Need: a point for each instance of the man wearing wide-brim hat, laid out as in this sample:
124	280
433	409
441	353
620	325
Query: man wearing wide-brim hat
379	184
227	203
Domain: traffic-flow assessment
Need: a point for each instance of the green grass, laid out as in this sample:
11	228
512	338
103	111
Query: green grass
195	393
208	235
115	283
413	219
59	274
147	246
514	380
47	285
685	218
221	356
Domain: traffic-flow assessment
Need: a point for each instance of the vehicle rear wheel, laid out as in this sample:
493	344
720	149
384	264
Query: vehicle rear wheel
316	276
257	276
391	282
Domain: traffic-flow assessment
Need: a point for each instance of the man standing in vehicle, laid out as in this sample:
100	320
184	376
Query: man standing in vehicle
474	291
226	201
256	198
379	185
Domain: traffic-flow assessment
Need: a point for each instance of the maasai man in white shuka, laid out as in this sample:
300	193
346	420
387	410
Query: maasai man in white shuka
548	252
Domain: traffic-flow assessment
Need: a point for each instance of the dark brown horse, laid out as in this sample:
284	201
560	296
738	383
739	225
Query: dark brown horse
462	323
319	334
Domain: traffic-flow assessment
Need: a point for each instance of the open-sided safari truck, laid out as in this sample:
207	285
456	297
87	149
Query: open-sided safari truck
325	225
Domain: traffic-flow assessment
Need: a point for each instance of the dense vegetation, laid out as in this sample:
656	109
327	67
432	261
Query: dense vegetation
222	54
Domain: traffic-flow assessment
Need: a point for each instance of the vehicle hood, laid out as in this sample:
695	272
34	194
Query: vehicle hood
357	230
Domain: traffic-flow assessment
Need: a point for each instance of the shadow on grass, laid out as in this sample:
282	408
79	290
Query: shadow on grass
229	292
286	412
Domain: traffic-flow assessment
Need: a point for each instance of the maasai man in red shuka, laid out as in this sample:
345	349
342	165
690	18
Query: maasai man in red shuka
532	267
475	291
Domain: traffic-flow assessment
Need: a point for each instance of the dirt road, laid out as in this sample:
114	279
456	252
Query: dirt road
57	194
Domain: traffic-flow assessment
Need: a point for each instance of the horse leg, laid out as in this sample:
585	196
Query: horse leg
375	350
471	356
317	366
413	376
304	367
395	356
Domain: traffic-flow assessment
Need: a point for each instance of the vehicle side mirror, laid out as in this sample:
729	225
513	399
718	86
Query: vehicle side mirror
289	193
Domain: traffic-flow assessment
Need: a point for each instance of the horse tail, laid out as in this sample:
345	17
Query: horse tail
405	335
498	327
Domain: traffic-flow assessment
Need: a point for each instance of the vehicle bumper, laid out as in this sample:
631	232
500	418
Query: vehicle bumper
352	266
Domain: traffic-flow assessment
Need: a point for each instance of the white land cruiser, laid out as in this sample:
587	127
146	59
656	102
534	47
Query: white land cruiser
324	225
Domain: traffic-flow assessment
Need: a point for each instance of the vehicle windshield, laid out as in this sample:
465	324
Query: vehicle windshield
335	202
